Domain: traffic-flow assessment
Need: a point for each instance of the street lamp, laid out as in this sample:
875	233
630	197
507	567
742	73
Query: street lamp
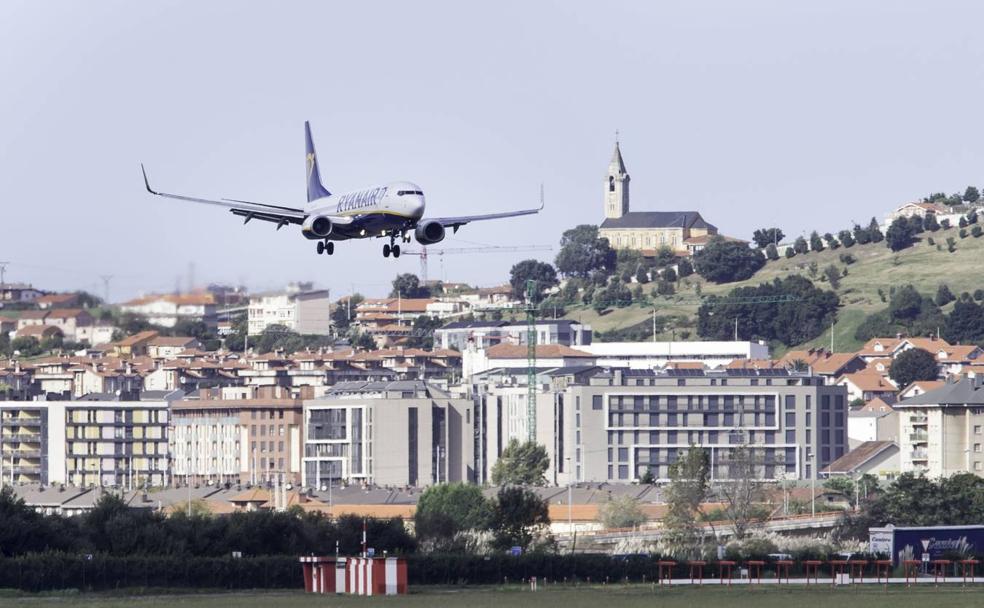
570	497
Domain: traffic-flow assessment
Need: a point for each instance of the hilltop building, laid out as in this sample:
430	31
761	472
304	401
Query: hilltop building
685	232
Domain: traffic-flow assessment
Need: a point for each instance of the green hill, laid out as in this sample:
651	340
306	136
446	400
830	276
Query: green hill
876	268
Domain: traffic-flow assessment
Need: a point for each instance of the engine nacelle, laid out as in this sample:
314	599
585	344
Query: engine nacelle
317	226
429	232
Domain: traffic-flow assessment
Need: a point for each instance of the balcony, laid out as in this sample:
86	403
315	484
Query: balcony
919	455
919	437
919	419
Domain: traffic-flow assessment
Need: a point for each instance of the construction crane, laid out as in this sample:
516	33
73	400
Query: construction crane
425	254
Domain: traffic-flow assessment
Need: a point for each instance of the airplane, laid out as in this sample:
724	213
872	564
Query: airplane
394	211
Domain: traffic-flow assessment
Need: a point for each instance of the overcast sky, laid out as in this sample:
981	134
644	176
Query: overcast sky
805	115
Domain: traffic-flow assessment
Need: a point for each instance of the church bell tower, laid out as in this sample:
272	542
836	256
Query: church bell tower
616	186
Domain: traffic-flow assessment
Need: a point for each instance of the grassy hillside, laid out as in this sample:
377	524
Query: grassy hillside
877	267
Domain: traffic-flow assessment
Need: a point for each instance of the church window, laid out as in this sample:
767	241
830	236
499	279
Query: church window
611	183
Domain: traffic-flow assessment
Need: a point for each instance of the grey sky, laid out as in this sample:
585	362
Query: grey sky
805	115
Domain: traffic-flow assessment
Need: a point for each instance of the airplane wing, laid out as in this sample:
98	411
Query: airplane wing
455	222
260	211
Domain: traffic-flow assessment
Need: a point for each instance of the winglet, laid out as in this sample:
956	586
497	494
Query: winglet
541	197
147	181
315	187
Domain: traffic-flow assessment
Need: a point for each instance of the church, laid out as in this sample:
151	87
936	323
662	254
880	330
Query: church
685	232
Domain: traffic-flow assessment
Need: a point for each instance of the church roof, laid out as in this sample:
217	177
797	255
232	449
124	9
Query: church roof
657	219
617	160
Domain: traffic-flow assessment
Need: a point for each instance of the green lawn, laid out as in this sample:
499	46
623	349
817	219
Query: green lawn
877	267
565	597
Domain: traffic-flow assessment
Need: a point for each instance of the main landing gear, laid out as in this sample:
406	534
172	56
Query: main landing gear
392	247
326	247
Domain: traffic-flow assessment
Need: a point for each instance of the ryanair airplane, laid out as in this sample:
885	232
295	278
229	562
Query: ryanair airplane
394	211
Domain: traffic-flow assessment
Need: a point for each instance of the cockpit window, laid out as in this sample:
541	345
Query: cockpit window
409	192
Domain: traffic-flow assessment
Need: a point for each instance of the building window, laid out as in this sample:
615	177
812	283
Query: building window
611	183
977	447
596	403
977	429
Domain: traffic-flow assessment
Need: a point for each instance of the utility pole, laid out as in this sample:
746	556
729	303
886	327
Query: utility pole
531	360
3	271
105	279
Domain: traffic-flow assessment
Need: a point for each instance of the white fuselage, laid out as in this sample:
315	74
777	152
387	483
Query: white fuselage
374	211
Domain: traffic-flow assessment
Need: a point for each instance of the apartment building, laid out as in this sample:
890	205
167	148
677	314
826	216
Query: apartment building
459	335
167	310
613	425
24	441
302	311
110	442
252	440
941	432
403	433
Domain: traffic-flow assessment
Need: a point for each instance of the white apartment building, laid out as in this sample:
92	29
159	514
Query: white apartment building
941	432
167	310
304	312
650	355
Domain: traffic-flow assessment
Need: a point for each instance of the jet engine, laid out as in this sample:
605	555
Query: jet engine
317	226
429	232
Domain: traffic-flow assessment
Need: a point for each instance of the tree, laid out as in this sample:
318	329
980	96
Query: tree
790	252
423	332
861	235
741	491
521	464
542	273
685	268
771	252
916	223
791	310
816	243
900	234
833	275
688	488
445	511
943	295
965	323
971	195
582	252
641	276
344	312
846	238
874	231
962	222
930	223
831	240
622	512
26	346
407	285
763	237
977	231
800	245
906	304
912	365
972	217
518	514
724	261
669	275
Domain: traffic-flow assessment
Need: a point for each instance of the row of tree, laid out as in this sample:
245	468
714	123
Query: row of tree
915	314
114	528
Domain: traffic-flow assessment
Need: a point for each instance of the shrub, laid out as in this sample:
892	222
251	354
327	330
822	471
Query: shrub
847	259
977	231
963	233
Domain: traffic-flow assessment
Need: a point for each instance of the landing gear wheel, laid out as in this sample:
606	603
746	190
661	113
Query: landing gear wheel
321	247
396	251
386	251
330	248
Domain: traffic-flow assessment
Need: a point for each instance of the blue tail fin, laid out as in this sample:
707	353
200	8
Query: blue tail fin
315	189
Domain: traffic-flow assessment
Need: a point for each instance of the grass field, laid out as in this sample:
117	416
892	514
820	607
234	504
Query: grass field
877	267
582	597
